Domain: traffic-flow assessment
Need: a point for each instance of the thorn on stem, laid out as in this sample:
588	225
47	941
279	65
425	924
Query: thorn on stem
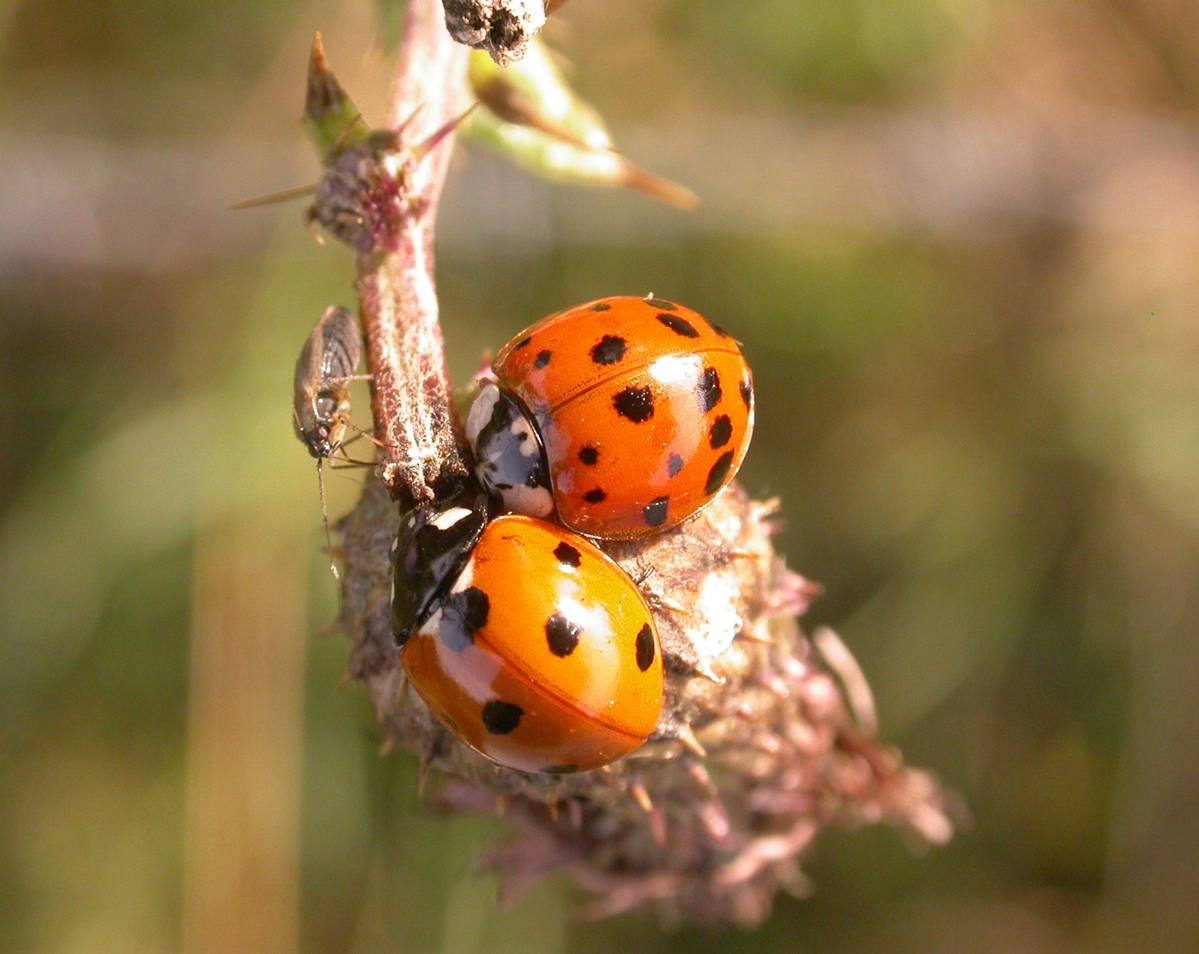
684	734
422	775
641	796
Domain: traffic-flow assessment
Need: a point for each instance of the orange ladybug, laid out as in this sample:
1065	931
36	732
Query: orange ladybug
528	642
625	415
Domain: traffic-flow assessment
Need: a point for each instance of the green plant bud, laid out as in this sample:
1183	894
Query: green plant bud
531	115
332	119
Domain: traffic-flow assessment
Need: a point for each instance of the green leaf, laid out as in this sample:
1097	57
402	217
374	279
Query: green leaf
531	115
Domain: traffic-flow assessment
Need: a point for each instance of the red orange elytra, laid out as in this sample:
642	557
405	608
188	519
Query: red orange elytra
624	415
526	641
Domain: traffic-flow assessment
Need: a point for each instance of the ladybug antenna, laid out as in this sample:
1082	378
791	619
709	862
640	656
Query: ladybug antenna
422	149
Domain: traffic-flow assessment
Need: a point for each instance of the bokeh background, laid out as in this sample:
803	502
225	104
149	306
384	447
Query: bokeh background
960	242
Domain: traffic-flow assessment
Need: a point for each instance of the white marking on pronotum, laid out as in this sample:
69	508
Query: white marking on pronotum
432	624
465	577
531	501
528	447
452	516
480	411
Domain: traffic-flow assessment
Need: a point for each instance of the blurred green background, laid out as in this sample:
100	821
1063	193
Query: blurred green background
960	243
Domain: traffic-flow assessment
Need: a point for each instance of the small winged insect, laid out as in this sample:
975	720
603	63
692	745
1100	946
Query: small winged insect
346	195
321	396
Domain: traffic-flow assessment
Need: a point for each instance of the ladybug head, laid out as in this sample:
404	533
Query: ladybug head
431	546
509	459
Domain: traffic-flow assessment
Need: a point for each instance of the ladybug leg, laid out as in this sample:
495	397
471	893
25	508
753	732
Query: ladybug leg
643	573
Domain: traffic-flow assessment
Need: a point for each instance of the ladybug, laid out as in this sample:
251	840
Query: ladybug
525	640
625	415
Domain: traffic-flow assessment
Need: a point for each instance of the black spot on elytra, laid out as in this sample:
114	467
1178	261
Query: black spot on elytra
595	496
542	359
720	331
522	344
674	465
708	391
567	554
562	635
636	404
599	306
589	455
655	511
608	350
721	431
718	473
662	303
500	718
462	615
747	393
645	648
560	769
680	326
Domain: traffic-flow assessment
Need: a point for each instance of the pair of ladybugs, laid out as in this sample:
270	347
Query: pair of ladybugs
623	417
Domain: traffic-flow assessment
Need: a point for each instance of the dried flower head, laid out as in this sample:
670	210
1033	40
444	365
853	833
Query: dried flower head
757	749
501	27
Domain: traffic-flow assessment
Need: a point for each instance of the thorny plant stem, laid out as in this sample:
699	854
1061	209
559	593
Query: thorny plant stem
411	400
